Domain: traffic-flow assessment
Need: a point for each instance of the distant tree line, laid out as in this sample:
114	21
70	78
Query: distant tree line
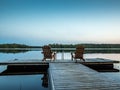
85	45
14	45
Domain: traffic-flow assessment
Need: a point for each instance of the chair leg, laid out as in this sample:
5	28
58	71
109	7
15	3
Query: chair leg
76	60
54	56
72	56
44	59
83	59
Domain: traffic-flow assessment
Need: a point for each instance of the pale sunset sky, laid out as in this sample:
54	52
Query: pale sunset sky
39	22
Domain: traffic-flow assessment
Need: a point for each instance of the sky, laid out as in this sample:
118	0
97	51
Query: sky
40	22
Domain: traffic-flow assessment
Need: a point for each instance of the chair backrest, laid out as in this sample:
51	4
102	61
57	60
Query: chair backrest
47	51
79	51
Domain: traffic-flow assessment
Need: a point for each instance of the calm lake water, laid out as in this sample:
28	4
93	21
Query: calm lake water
35	82
38	55
22	82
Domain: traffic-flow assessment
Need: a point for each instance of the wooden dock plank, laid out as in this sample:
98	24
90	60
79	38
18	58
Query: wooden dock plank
74	76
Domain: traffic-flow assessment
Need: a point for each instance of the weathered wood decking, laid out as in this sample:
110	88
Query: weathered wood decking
68	75
73	76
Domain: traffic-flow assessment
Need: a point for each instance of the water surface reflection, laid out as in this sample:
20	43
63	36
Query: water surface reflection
23	78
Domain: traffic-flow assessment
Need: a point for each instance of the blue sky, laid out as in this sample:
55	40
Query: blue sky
39	22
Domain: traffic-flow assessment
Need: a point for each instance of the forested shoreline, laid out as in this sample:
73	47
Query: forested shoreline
85	45
14	45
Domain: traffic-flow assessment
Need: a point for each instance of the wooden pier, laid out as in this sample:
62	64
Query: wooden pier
74	76
69	75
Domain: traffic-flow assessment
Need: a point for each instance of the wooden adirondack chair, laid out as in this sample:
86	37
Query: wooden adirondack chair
78	54
47	53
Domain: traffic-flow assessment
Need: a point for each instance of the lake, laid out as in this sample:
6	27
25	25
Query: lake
22	82
36	54
35	82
